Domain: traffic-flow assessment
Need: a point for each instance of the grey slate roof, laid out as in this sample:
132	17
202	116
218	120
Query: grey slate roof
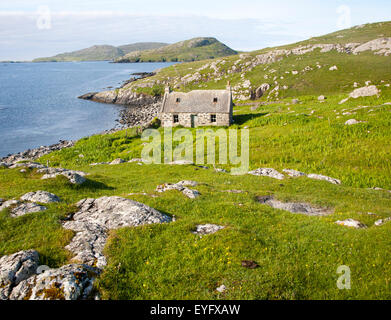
198	101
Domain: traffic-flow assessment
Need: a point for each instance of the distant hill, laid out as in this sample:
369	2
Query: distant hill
102	52
190	50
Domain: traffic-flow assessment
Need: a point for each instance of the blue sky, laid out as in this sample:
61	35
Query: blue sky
241	24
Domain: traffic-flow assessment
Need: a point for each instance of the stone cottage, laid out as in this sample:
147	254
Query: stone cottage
197	108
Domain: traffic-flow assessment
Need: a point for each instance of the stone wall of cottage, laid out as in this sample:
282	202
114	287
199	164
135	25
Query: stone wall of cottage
203	119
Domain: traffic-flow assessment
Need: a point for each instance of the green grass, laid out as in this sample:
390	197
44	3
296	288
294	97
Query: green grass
298	255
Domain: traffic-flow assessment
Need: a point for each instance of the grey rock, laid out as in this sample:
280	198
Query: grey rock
7	204
97	216
16	268
351	223
380	222
74	177
205	229
117	161
41	197
367	91
70	282
294	173
294	207
26	208
268	172
352	122
324	178
180	186
221	289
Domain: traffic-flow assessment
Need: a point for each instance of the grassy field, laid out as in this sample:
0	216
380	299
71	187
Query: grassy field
298	255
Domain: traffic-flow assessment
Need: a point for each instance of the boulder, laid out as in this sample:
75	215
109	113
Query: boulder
294	173
367	91
294	207
380	222
15	268
352	122
324	178
180	186
117	161
267	172
352	224
205	229
97	216
40	197
26	208
7	204
74	177
260	91
70	282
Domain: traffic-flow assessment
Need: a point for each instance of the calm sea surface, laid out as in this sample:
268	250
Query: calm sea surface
39	105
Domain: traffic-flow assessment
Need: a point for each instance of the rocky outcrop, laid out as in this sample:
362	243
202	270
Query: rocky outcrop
180	186
26	208
351	223
121	96
70	282
324	178
267	172
97	216
205	229
381	46
74	177
33	154
41	197
294	207
367	91
294	173
16	268
352	122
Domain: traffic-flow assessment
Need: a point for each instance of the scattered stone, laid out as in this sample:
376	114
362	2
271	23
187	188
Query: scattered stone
221	170
40	197
221	289
70	282
205	229
23	171
268	172
352	224
233	191
343	101
181	162
333	68
293	173
295	101
249	264
136	160
97	216
117	161
352	122
34	154
294	207
367	91
74	177
180	186
16	268
321	98
382	221
324	178
8	204
26	208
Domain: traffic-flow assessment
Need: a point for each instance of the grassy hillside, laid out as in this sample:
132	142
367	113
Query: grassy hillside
101	53
189	50
298	255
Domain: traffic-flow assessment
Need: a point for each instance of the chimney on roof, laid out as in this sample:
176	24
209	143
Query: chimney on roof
228	86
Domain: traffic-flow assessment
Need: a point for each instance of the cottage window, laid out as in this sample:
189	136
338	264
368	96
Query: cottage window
215	100
178	100
176	118
213	118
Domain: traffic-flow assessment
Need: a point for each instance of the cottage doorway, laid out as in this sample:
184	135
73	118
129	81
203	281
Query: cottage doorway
193	118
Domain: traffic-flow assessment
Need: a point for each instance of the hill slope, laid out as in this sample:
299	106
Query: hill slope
189	50
101	52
